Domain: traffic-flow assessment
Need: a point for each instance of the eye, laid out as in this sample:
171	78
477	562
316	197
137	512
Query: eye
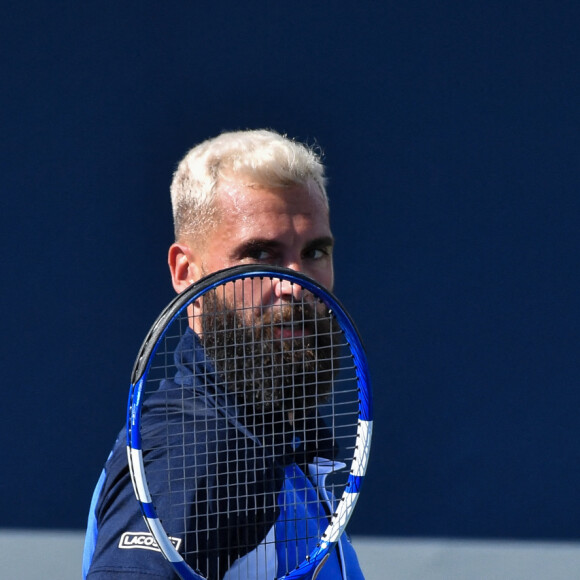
317	252
257	251
319	249
259	255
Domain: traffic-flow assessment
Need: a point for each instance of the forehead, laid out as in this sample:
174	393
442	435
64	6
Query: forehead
246	205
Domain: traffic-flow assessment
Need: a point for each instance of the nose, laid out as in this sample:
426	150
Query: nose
287	290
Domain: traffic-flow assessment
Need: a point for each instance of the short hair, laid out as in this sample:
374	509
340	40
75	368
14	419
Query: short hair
263	156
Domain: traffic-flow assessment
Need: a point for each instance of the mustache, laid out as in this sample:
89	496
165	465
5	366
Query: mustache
301	314
305	314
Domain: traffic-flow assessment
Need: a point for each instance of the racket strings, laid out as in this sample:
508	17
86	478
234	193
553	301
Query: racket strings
272	375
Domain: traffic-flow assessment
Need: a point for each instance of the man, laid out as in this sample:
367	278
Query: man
251	197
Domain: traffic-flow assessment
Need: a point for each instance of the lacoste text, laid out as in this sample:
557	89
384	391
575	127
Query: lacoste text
143	541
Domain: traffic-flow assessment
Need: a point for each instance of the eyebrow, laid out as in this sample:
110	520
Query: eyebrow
256	244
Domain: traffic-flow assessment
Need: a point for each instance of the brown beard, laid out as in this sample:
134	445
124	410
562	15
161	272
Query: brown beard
266	372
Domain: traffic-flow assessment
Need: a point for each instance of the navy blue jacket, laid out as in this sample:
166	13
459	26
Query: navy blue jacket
233	489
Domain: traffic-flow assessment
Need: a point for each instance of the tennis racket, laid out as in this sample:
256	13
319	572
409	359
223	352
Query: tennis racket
249	425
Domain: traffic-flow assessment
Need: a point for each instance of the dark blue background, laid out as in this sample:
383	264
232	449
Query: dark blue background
451	135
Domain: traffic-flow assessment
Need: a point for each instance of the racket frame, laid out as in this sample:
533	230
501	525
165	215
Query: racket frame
314	561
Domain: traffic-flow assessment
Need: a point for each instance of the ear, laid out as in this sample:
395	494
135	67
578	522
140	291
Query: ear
183	266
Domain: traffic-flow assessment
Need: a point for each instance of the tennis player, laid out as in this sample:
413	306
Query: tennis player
249	197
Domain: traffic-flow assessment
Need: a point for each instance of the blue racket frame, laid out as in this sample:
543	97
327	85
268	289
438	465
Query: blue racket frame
346	504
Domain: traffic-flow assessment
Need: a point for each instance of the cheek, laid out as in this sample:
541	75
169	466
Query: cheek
330	273
323	274
250	294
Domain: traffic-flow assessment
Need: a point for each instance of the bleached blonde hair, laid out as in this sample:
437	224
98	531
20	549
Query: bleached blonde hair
261	157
